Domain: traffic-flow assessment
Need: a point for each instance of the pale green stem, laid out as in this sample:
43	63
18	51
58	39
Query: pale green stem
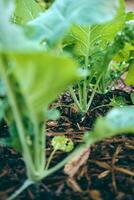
75	98
50	159
66	160
26	184
85	87
17	117
43	147
80	92
93	93
101	106
46	173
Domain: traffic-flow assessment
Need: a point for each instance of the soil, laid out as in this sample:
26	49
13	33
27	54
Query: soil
107	175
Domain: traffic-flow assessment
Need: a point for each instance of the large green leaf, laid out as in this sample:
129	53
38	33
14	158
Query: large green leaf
117	121
12	37
26	10
88	38
52	24
42	76
130	76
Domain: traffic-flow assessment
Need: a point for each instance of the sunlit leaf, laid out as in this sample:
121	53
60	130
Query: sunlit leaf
26	10
42	76
130	76
12	37
117	121
62	143
53	24
53	114
87	38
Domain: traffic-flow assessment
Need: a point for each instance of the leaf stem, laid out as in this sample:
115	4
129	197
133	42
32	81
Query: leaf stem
50	159
93	93
75	98
17	117
26	184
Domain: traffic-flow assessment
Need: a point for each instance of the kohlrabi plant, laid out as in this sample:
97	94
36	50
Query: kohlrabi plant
34	70
96	48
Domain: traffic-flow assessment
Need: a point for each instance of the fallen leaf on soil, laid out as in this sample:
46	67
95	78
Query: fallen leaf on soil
95	195
104	174
101	164
123	170
74	185
52	123
115	168
72	167
3	173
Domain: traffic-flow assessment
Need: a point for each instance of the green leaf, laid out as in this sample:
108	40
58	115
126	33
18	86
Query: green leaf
53	114
124	54
130	76
12	37
25	11
53	24
132	97
62	143
42	77
88	38
118	101
117	121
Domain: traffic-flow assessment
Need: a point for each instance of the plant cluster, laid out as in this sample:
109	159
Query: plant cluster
45	51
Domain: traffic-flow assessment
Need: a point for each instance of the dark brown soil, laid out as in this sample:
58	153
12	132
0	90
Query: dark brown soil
108	174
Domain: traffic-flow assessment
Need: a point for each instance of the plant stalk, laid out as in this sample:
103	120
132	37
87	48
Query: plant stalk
17	118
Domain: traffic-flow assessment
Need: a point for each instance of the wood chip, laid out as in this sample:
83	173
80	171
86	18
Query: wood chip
104	174
101	164
95	195
74	185
123	170
72	167
52	123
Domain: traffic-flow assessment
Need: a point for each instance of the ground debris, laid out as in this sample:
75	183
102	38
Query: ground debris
72	167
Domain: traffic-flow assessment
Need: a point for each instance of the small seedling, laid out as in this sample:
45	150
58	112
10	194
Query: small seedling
61	143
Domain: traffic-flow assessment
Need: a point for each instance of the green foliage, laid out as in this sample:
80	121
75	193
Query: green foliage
130	76
98	48
28	74
132	97
39	94
53	114
56	21
118	101
62	143
98	65
34	73
117	121
12	37
88	38
25	11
